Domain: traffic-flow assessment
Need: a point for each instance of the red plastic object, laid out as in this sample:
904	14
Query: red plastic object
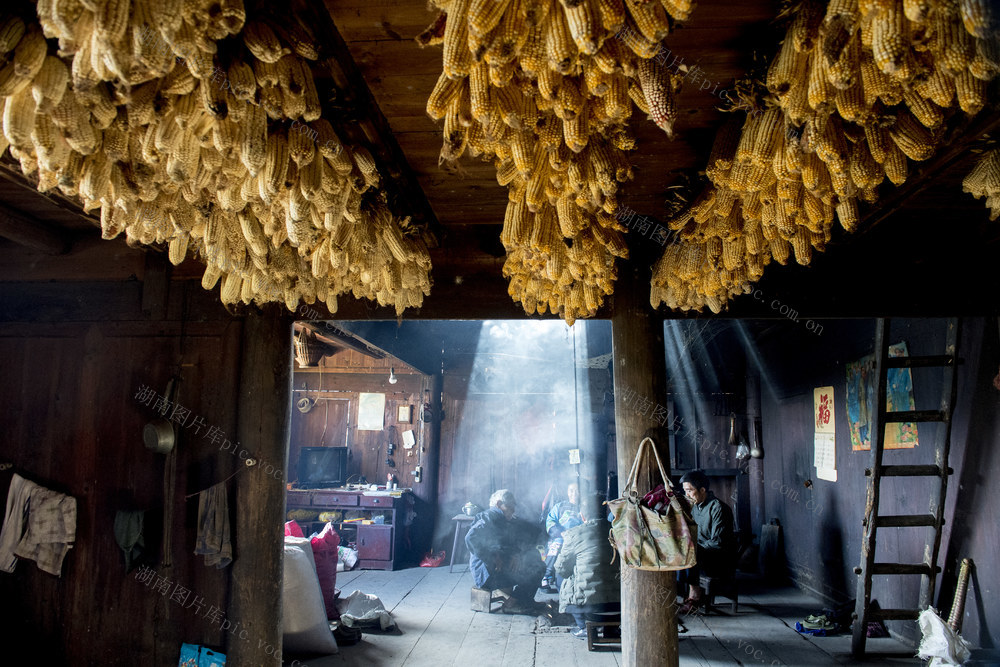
293	529
432	559
325	553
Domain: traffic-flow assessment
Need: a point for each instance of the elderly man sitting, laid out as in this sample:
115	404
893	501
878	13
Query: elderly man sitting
503	553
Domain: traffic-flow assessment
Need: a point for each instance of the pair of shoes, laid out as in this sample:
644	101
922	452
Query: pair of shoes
548	587
580	633
818	623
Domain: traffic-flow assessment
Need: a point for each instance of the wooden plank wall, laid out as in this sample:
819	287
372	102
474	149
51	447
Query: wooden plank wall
822	523
72	372
344	375
88	342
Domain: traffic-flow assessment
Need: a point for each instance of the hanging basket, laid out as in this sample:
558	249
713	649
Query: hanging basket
308	350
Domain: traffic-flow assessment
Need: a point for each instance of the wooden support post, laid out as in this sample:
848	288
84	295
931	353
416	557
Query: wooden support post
427	489
263	419
649	626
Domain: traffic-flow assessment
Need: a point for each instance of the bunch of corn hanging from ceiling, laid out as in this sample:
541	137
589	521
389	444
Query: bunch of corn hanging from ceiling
190	124
984	181
858	88
544	89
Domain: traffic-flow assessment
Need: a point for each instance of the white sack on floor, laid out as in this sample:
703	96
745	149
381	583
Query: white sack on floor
940	643
361	609
305	627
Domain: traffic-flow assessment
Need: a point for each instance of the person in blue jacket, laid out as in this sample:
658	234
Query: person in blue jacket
503	553
563	516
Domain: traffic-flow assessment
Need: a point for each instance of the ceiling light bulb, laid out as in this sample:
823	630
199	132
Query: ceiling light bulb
392	376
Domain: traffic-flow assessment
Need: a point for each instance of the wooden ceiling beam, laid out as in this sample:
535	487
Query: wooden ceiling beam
961	137
33	234
337	337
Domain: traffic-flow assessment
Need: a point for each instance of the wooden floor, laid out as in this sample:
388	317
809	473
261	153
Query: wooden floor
435	627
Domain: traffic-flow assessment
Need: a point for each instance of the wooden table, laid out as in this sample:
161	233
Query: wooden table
459	519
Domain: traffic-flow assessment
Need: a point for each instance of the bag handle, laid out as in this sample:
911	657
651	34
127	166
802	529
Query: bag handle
633	475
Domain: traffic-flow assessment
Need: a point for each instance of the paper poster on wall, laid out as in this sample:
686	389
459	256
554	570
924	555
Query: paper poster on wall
861	382
825	456
823	409
408	439
825	439
371	412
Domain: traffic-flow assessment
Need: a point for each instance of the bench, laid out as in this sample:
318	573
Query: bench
483	599
608	619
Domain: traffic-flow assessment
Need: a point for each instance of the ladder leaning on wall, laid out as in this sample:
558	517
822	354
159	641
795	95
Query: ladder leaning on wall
934	517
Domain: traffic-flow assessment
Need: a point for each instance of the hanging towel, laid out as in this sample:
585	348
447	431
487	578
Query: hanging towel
128	535
40	525
213	527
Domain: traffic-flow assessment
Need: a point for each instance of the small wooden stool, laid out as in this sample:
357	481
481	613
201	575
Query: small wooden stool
614	620
482	599
721	587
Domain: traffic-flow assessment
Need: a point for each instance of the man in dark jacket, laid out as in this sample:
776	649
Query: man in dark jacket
590	582
716	537
503	553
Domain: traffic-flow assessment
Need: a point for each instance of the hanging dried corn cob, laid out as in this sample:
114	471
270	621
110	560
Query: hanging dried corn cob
279	209
544	89
884	79
984	181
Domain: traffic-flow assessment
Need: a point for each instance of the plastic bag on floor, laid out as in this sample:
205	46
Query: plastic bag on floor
941	644
363	610
305	628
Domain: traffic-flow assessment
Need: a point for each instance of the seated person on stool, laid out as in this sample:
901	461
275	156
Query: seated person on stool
563	516
716	540
590	582
503	553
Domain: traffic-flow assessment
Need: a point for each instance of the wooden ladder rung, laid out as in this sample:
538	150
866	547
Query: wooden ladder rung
910	471
920	362
906	520
893	614
902	568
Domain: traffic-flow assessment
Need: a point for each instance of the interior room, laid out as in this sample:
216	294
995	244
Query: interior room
365	331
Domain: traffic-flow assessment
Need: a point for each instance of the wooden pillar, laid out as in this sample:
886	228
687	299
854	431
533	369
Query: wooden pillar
649	626
263	417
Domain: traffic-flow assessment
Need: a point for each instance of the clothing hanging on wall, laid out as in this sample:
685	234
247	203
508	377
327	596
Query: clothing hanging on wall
213	527
40	525
128	535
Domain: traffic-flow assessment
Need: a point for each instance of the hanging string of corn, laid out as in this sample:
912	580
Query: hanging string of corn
857	89
193	125
544	89
984	181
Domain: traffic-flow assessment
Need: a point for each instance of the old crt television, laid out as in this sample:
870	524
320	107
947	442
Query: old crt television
322	467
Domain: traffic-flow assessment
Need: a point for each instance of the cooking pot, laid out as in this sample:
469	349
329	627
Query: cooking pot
158	436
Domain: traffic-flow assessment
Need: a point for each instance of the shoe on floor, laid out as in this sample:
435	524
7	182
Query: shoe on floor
580	633
692	607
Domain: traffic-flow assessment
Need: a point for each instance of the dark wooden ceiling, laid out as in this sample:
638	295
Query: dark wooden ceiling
379	33
932	248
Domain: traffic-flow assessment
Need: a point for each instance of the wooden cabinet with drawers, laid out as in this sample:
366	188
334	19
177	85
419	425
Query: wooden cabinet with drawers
379	544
